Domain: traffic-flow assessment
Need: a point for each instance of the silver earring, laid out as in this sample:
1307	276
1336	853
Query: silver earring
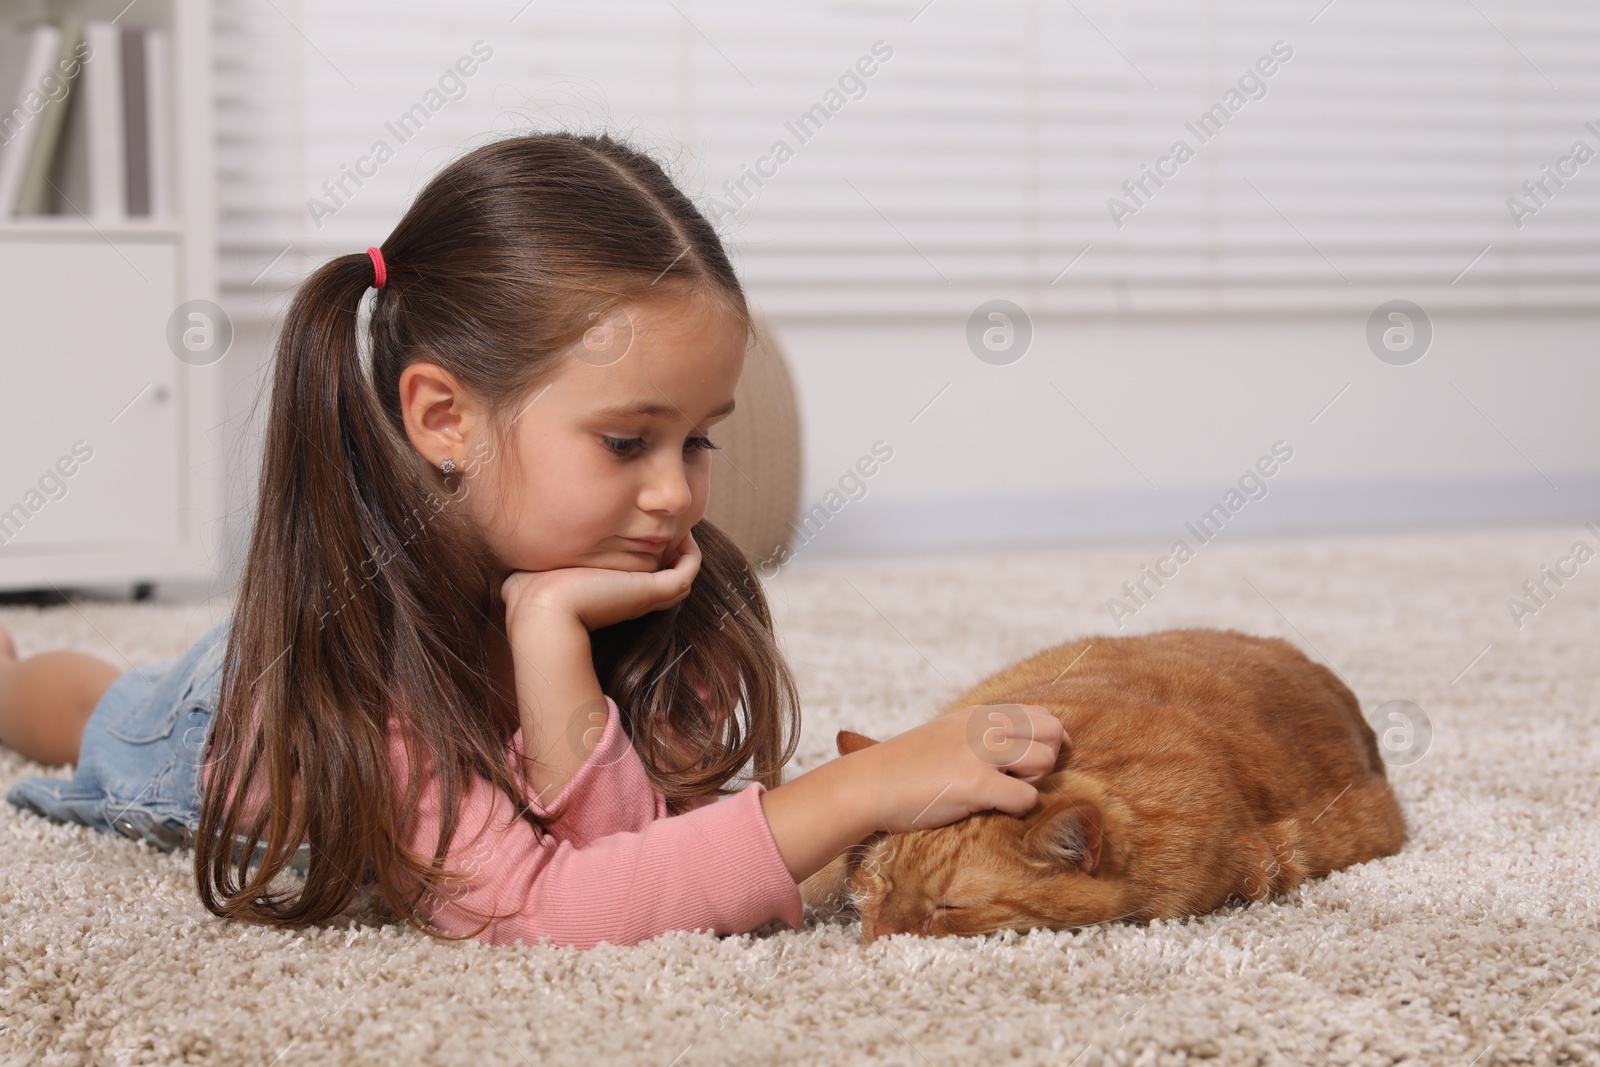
448	467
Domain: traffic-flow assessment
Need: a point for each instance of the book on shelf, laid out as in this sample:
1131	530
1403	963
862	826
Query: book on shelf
29	86
84	127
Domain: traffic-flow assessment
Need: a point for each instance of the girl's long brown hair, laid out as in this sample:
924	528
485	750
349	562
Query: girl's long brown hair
366	592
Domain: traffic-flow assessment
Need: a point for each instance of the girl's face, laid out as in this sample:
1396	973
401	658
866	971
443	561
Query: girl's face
612	447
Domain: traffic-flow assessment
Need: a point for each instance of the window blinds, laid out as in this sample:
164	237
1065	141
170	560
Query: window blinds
892	159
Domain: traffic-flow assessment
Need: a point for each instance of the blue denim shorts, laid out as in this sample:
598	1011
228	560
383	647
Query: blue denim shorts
143	750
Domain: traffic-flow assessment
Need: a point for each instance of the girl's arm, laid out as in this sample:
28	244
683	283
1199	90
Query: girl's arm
614	867
549	615
928	776
810	819
559	701
818	815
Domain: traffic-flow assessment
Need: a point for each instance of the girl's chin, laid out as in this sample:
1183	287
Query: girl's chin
642	561
616	559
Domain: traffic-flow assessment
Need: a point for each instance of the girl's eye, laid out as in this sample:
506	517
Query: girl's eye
623	446
626	446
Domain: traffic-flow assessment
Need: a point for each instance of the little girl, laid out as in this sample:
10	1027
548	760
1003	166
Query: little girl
486	654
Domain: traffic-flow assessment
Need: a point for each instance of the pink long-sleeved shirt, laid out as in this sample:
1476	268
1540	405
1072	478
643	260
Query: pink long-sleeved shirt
614	866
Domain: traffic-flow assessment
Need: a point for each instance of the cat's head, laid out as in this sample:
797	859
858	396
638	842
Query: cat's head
1059	866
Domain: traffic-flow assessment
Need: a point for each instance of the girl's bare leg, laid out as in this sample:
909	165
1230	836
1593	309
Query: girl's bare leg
46	698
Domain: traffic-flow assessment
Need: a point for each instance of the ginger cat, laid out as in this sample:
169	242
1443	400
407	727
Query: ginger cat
1204	765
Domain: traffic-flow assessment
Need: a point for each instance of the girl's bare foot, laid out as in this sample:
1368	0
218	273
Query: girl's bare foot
8	650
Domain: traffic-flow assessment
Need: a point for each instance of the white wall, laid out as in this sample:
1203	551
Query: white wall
978	162
1189	403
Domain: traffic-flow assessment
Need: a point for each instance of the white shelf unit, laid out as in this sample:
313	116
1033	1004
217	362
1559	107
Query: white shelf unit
84	308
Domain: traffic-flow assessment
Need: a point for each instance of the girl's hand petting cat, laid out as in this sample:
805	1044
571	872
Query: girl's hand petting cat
963	762
599	596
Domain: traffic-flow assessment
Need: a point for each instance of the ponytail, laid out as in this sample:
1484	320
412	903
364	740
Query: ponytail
329	632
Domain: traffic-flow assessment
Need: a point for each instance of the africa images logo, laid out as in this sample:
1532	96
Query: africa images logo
1252	485
1251	85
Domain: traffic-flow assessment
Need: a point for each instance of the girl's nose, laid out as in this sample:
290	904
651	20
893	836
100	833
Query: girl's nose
668	491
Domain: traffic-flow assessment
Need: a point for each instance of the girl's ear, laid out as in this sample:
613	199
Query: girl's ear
849	741
1068	834
434	409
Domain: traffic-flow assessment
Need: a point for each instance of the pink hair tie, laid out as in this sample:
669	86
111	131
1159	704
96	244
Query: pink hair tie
380	273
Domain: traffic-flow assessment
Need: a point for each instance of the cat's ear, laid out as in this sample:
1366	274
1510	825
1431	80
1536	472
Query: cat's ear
1069	836
849	741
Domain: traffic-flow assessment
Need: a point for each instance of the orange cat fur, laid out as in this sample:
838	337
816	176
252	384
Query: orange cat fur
1204	765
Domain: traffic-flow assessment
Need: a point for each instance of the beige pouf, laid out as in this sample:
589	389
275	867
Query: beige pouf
755	477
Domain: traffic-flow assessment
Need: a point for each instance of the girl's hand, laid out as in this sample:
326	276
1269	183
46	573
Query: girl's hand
598	596
966	761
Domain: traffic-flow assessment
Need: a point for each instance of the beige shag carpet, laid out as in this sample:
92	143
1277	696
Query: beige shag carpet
1475	945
